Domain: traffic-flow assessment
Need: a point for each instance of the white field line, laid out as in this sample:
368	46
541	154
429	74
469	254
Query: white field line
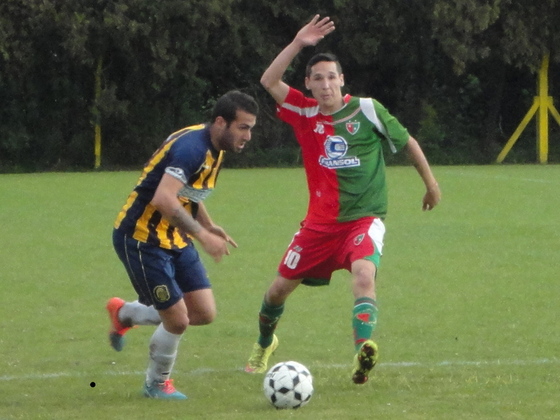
203	371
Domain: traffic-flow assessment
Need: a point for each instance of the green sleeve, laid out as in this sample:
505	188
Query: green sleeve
397	135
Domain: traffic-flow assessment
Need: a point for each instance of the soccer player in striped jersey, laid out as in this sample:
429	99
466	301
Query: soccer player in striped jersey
341	139
155	231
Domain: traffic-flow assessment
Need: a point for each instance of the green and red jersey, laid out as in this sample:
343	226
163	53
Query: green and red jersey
343	155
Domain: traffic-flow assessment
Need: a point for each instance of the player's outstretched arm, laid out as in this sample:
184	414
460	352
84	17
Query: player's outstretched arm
417	157
308	35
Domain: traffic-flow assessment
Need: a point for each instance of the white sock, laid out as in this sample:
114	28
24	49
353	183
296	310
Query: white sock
135	313
163	351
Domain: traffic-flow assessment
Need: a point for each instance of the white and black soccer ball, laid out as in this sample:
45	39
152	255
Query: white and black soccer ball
288	385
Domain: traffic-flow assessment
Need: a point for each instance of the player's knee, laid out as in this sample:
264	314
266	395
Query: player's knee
364	285
203	318
364	278
177	324
280	289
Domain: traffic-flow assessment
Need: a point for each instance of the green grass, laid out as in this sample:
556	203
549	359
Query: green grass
468	298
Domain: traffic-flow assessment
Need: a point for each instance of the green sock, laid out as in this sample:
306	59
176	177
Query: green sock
268	318
364	320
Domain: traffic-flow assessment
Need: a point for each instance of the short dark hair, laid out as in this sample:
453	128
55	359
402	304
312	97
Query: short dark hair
227	105
322	57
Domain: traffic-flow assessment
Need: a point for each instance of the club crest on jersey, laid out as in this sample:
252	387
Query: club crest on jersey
352	127
358	239
336	148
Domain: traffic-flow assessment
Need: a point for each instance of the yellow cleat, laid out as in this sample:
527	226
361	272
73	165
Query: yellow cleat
364	361
259	357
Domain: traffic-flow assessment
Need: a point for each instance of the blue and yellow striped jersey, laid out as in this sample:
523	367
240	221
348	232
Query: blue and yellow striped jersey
189	156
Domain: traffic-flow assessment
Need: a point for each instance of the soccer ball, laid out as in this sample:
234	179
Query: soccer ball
288	385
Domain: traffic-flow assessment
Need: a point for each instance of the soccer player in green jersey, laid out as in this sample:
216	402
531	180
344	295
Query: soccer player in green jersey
341	139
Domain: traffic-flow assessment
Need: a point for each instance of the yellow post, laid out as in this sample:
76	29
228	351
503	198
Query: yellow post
96	114
543	104
97	151
519	130
542	126
553	111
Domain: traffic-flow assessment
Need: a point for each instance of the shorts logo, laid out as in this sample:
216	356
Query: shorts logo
358	239
336	148
161	293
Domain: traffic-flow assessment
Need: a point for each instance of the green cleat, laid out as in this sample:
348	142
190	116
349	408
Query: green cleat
364	361
163	391
259	357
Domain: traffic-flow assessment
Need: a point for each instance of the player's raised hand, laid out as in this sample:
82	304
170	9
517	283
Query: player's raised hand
315	30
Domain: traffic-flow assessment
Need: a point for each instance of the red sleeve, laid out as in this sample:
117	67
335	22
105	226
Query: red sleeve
296	108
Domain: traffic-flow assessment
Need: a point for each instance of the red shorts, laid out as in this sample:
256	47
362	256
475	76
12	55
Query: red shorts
316	251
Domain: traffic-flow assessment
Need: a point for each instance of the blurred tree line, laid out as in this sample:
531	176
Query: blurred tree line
459	74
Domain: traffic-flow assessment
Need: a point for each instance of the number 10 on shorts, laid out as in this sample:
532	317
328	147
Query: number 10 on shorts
292	259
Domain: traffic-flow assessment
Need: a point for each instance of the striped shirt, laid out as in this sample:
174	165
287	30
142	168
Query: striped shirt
187	155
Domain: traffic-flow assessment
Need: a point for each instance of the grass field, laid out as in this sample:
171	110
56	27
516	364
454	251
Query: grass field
468	295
